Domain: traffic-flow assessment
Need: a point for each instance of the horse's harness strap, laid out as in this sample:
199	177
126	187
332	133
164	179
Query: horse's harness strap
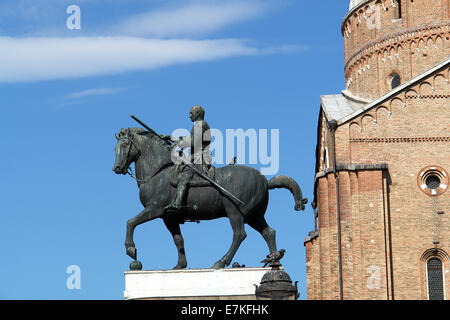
164	166
130	172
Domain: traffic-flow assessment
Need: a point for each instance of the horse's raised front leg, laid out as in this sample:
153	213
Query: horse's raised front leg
174	228
147	214
237	223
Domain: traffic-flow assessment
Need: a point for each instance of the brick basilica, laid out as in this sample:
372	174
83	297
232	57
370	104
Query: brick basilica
381	198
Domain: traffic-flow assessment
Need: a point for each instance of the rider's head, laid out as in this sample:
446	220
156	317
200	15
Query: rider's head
197	113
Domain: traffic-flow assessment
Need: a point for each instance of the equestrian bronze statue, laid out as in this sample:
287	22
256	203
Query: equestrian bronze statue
240	193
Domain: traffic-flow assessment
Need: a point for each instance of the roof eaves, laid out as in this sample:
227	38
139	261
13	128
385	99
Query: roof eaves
393	92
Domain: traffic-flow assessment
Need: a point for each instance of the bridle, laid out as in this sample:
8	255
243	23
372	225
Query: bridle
129	170
132	175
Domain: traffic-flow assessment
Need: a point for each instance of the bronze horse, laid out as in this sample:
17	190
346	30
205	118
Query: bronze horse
154	174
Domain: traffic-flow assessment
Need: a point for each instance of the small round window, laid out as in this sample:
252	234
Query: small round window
433	180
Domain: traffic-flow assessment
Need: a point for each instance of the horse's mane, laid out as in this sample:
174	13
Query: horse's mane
142	135
138	131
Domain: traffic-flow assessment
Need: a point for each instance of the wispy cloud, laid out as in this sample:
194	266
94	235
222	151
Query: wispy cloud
94	92
193	18
31	59
140	42
160	19
284	49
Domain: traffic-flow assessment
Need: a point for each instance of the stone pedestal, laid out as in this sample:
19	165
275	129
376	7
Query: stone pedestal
199	284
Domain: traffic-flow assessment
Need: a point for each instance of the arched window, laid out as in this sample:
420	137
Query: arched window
325	160
435	279
395	81
397	9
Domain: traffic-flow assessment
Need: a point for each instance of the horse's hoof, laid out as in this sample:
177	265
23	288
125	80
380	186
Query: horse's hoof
219	265
136	265
131	252
179	267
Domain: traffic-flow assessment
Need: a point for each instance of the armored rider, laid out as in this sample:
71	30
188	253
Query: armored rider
200	155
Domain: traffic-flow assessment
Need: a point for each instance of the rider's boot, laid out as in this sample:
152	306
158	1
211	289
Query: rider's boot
176	204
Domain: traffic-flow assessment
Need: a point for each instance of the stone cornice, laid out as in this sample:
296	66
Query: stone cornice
352	167
354	98
362	4
401	140
395	91
311	236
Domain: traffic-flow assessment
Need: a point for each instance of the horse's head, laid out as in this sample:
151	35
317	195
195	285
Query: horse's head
125	151
136	143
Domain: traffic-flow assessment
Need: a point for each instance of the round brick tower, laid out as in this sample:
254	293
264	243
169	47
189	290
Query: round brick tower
382	185
389	42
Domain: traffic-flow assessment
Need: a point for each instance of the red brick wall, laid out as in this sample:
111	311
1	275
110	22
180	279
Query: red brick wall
388	224
416	135
362	238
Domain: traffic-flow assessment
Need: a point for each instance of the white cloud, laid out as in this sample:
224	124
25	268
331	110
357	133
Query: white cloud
156	18
193	18
284	49
95	92
32	59
50	58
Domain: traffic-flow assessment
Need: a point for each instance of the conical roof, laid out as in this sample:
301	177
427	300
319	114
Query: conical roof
355	3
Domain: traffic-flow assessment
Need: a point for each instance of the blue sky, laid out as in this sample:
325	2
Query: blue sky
64	93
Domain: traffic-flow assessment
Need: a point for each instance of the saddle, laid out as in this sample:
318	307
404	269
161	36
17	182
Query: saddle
183	171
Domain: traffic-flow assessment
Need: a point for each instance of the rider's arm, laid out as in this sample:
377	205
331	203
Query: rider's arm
169	137
184	142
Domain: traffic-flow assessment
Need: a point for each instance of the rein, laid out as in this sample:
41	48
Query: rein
131	174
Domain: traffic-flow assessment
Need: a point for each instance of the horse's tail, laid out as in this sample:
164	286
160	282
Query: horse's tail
286	182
